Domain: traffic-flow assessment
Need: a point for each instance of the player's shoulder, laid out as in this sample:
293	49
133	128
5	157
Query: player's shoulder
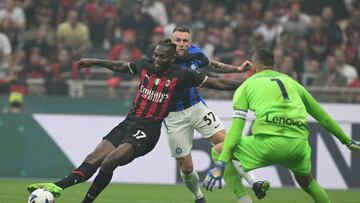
251	79
270	74
179	70
288	79
188	73
193	49
197	54
144	62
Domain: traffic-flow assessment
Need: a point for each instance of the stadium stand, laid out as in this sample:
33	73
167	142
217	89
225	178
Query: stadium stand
315	42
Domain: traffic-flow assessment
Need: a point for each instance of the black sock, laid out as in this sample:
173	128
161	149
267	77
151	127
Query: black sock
99	184
81	174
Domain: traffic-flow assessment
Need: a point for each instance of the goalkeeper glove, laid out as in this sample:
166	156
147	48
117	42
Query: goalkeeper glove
354	145
214	175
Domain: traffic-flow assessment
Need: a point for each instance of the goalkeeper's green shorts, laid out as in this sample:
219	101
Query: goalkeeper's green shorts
258	151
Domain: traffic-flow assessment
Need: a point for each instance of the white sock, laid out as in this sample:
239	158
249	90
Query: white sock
245	199
191	181
249	176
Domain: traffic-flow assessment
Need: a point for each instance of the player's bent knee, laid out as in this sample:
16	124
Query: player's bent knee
111	163
94	160
96	157
186	168
122	155
185	164
305	180
108	166
218	137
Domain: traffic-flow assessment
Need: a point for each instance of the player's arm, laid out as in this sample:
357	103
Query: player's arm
220	84
218	67
199	79
325	120
234	135
114	65
232	139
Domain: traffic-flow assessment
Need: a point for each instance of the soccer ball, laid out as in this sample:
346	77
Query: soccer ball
41	196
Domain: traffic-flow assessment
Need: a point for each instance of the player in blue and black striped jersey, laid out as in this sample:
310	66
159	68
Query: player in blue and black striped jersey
195	59
191	113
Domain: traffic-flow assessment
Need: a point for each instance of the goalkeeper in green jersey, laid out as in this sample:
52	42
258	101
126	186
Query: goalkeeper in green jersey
280	131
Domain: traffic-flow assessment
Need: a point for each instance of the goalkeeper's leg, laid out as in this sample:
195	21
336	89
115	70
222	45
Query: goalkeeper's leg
233	180
312	187
259	187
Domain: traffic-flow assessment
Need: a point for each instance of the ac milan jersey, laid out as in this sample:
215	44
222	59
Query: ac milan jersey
159	90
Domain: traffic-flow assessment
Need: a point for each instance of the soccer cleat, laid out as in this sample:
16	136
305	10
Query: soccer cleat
260	188
201	200
51	187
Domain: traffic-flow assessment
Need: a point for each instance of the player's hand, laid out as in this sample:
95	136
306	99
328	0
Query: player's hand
244	66
354	145
214	175
85	63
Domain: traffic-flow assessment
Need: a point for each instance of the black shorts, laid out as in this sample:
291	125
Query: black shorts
141	133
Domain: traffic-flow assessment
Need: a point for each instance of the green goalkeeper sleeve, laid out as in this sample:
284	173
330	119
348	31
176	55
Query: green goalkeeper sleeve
317	112
233	137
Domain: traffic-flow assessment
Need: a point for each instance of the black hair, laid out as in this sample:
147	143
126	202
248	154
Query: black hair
264	56
182	28
167	43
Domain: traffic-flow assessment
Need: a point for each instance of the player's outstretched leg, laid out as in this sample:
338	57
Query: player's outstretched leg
122	155
99	184
233	180
81	174
191	181
190	177
312	187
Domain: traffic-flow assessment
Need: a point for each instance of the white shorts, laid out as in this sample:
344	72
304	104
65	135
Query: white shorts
180	126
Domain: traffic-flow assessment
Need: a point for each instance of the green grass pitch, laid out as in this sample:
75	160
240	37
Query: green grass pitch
13	191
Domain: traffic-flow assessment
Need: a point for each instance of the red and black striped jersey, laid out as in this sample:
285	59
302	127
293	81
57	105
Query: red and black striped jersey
159	90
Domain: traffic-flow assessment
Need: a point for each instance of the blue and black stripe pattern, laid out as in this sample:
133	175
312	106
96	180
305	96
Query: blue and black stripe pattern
195	60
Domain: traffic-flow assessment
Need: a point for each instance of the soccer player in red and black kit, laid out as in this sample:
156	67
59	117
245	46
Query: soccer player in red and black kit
161	84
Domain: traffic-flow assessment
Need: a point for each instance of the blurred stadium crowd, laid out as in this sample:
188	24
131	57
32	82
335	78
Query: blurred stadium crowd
315	42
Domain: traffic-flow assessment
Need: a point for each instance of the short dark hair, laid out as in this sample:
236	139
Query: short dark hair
264	56
167	43
182	28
